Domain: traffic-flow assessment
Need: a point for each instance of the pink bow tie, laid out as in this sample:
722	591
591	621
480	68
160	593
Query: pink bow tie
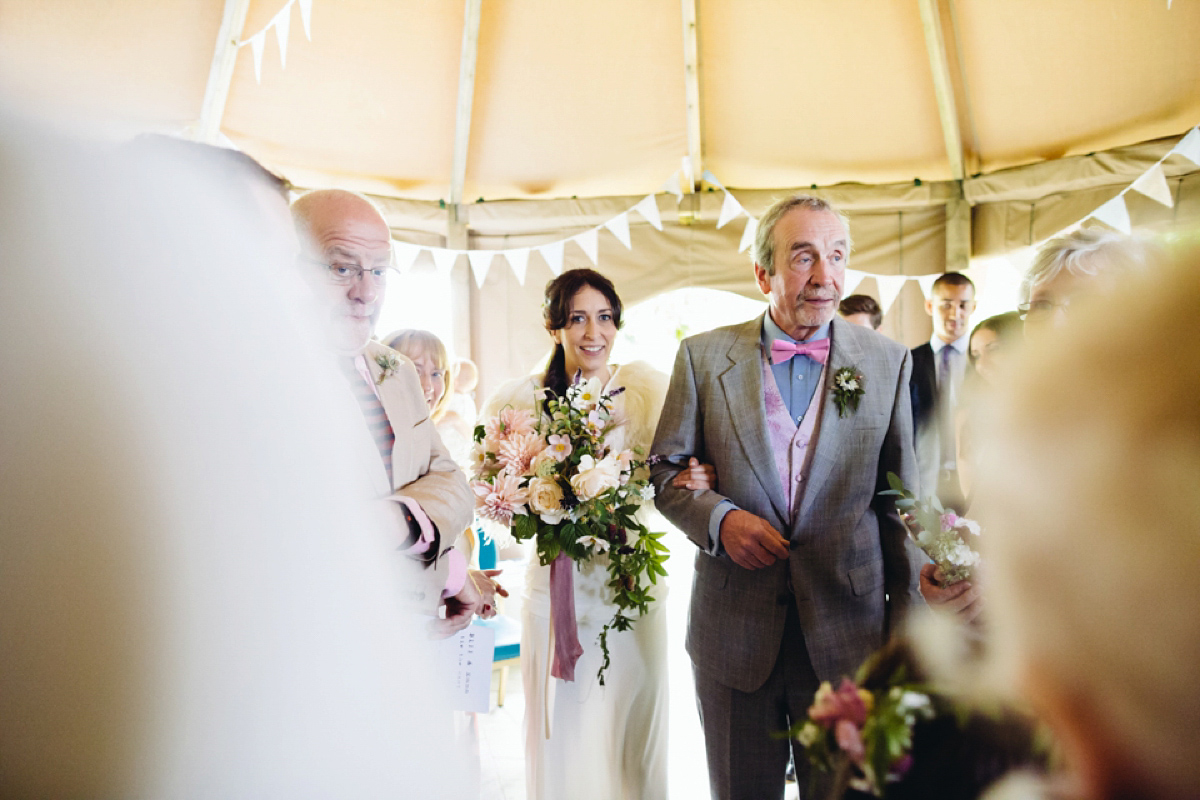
781	351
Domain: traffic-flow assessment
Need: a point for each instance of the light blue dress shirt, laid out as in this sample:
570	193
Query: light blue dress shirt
797	380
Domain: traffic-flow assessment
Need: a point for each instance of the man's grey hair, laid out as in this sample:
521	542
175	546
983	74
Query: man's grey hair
764	236
1086	253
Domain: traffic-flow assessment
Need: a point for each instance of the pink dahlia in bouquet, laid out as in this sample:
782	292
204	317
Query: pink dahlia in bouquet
552	477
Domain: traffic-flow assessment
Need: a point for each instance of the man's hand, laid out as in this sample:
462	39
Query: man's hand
459	610
695	476
751	541
960	598
488	589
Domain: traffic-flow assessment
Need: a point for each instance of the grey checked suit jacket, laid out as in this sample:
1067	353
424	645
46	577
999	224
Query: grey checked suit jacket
848	547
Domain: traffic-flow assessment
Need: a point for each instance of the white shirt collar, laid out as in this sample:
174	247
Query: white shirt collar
959	344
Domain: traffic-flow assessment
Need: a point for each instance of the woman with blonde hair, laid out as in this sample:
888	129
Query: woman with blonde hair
1093	537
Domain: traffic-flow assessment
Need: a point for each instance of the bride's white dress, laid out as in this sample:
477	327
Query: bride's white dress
584	741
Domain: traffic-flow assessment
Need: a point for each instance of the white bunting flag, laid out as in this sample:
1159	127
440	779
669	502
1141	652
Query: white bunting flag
283	25
589	243
889	289
853	279
1189	146
519	260
256	47
481	262
648	208
712	180
1153	184
748	233
405	255
1114	214
306	17
444	260
730	209
926	283
553	253
671	186
619	227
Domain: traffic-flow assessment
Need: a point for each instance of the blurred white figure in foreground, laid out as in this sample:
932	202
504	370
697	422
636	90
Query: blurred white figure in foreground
196	598
1092	527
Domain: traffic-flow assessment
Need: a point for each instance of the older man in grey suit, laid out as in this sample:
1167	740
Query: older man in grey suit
803	568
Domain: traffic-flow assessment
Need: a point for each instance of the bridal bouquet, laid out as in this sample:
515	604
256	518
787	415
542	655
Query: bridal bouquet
943	535
554	479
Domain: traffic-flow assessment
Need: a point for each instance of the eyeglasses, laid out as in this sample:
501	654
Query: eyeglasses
346	274
1040	309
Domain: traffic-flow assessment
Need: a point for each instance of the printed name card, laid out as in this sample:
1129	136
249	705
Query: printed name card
467	664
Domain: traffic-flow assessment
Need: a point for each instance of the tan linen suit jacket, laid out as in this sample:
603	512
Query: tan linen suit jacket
848	546
422	468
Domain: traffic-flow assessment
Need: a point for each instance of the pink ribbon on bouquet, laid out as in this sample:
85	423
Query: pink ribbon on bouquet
567	648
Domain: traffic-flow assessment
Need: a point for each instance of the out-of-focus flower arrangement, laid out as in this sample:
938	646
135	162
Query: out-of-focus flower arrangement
864	737
945	537
553	478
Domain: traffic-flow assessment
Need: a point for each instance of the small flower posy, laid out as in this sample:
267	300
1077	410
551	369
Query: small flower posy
864	735
388	363
555	479
943	535
847	389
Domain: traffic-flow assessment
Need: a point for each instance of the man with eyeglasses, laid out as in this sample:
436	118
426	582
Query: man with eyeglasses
347	248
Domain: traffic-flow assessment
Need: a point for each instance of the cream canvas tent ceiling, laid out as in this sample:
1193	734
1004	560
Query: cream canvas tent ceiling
947	128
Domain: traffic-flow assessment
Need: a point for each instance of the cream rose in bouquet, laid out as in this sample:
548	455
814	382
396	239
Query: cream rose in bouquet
554	478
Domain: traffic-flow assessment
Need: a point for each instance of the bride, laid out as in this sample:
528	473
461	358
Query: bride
584	740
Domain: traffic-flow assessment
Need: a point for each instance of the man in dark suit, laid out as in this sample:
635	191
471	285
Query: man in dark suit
938	368
803	569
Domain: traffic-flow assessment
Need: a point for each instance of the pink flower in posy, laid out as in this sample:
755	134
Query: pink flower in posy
499	501
508	423
846	703
517	452
560	446
949	521
849	739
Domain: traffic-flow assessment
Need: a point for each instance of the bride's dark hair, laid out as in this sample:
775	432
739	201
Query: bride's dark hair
556	312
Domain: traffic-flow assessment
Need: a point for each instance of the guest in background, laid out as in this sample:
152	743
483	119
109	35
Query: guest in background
1090	506
990	351
460	412
1085	262
428	355
939	366
861	309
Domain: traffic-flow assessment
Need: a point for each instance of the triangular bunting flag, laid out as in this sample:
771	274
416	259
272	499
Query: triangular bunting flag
519	260
671	186
712	180
730	208
1153	184
405	255
619	227
443	260
283	24
553	253
1114	214
481	262
306	17
853	279
589	243
648	208
748	233
1189	146
926	283
256	46
889	289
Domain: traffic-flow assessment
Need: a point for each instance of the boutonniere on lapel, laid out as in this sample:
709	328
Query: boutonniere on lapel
388	365
847	389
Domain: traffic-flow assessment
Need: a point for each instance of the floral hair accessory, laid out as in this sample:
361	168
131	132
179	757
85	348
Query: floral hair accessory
864	737
847	389
942	534
388	365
